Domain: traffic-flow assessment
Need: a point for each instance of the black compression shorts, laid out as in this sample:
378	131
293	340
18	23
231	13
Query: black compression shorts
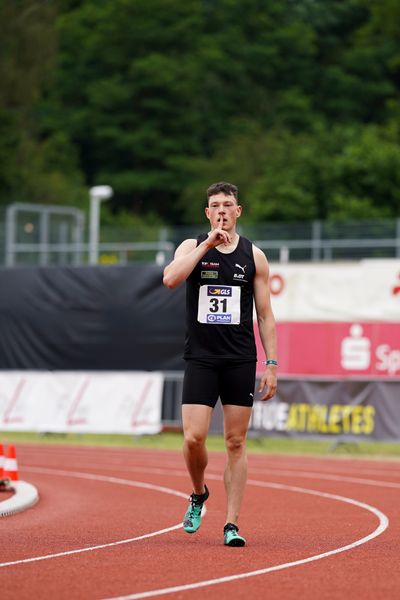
207	379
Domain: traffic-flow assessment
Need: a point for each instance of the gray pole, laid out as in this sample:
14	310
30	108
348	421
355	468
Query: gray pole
63	257
97	194
44	238
10	236
94	231
78	237
316	241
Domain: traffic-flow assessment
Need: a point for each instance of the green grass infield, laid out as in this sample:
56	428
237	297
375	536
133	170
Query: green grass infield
173	441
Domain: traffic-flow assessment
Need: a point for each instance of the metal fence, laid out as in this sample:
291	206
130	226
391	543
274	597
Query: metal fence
53	235
329	240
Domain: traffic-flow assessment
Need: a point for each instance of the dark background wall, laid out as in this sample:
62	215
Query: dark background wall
90	318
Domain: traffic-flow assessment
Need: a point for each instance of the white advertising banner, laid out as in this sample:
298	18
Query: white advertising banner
81	402
364	291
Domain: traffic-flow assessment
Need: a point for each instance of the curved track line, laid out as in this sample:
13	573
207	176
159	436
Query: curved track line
327	477
128	482
269	471
99	547
279	472
107	479
382	518
387	468
383	524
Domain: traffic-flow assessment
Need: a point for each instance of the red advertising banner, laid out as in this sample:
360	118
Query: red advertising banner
337	319
337	349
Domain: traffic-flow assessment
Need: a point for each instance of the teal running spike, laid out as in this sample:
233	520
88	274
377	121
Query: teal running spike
232	537
192	518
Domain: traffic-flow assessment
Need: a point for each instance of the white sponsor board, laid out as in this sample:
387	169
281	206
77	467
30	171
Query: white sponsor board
81	402
364	291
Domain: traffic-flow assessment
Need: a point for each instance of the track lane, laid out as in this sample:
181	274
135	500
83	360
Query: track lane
290	528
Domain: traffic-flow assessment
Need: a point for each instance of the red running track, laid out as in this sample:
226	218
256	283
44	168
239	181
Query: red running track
324	528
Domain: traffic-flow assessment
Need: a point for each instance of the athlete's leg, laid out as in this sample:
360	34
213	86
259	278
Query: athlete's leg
236	422
196	421
237	391
199	395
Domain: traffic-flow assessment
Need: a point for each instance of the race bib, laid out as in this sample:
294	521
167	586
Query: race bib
219	305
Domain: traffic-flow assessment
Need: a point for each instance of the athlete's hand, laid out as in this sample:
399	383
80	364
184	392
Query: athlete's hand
268	383
218	236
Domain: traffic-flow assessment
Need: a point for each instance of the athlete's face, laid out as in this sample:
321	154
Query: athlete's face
223	211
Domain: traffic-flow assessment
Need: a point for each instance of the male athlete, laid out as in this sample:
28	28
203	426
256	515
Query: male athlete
224	273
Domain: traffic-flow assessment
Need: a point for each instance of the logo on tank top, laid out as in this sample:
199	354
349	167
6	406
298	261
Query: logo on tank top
240	276
209	275
209	265
209	270
219	319
219	291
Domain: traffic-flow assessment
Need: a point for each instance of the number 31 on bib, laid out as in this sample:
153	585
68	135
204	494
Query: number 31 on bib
219	305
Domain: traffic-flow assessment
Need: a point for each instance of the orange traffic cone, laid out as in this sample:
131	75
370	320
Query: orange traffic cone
11	465
4	481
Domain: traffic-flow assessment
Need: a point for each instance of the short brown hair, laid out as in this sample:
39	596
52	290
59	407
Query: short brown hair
223	187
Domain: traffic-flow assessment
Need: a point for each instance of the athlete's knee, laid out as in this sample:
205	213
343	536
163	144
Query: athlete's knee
235	443
194	440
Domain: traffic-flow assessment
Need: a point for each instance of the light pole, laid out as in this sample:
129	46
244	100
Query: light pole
97	194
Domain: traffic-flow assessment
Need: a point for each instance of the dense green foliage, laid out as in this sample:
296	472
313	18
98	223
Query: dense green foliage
296	101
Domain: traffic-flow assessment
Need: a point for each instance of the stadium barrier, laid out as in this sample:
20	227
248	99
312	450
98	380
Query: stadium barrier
81	402
338	337
140	403
347	409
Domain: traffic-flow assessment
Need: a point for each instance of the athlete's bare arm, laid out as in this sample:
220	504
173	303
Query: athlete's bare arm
187	255
266	322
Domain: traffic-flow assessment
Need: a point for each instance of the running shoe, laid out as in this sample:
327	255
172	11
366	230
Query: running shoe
232	537
192	518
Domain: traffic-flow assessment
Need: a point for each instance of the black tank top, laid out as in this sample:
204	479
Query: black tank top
219	305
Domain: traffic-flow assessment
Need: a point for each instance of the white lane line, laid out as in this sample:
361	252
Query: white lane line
106	479
268	471
387	469
98	547
327	477
128	469
137	484
284	473
392	470
383	524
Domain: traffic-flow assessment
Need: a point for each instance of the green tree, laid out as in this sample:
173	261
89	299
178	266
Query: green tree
367	175
297	102
125	83
32	168
143	103
348	171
